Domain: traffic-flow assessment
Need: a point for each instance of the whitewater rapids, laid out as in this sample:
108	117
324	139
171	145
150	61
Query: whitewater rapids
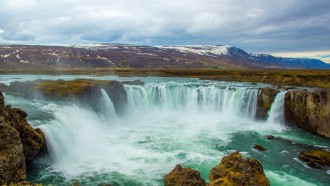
167	122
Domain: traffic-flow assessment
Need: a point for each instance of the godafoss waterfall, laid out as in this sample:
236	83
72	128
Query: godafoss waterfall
162	122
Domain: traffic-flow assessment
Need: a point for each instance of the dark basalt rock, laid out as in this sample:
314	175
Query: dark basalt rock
270	137
315	158
265	99
135	82
259	147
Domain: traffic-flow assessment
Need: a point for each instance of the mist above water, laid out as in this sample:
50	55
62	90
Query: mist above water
165	124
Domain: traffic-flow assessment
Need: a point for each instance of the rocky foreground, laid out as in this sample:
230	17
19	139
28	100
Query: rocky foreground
19	143
233	170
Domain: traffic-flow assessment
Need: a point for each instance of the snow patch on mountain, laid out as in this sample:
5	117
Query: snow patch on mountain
202	50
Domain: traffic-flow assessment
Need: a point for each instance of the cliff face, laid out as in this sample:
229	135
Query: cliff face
19	143
265	99
12	160
82	91
309	110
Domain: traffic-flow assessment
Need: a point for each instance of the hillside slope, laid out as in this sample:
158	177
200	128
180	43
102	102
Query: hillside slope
130	56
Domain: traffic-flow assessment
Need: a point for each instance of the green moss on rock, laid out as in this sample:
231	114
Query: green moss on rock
183	176
315	158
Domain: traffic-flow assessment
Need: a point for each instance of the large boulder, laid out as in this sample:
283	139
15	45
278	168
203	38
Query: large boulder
265	99
12	160
315	158
183	176
19	143
309	110
33	140
235	170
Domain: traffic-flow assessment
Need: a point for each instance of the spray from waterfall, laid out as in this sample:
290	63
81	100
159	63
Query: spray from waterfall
160	123
78	131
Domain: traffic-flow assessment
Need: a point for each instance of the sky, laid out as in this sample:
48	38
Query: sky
280	27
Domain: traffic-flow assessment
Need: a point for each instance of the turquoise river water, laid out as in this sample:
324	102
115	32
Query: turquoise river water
167	121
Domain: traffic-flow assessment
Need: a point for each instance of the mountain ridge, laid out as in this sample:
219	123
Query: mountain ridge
138	56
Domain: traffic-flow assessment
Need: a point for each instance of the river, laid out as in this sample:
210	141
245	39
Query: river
167	121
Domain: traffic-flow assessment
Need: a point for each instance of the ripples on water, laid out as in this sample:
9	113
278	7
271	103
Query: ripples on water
168	121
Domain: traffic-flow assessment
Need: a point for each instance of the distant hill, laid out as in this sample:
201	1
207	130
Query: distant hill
130	56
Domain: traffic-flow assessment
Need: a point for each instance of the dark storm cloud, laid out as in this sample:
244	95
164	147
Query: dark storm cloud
255	25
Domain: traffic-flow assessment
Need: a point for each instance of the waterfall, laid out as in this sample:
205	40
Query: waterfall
276	112
238	101
106	106
165	123
77	130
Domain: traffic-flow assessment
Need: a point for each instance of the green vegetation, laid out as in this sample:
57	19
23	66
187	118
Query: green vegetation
61	88
315	158
306	78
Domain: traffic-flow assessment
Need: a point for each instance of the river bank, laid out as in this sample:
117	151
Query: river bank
292	77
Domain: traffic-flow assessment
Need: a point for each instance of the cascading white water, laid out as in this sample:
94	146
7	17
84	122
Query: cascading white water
185	121
165	124
276	112
77	133
231	100
106	106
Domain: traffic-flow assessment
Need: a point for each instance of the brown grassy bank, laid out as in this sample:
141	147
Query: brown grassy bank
306	78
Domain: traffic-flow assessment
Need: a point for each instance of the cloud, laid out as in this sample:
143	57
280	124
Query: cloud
255	25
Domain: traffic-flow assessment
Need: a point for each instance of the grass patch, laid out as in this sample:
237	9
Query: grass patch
305	78
61	88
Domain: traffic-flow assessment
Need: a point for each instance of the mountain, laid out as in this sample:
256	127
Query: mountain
131	56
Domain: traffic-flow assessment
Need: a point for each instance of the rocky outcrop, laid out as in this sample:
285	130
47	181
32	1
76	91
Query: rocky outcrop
315	158
265	99
134	82
33	140
183	176
12	160
26	183
83	91
19	143
235	170
259	147
309	110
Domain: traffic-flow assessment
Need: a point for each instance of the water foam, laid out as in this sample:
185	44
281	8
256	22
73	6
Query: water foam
166	124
